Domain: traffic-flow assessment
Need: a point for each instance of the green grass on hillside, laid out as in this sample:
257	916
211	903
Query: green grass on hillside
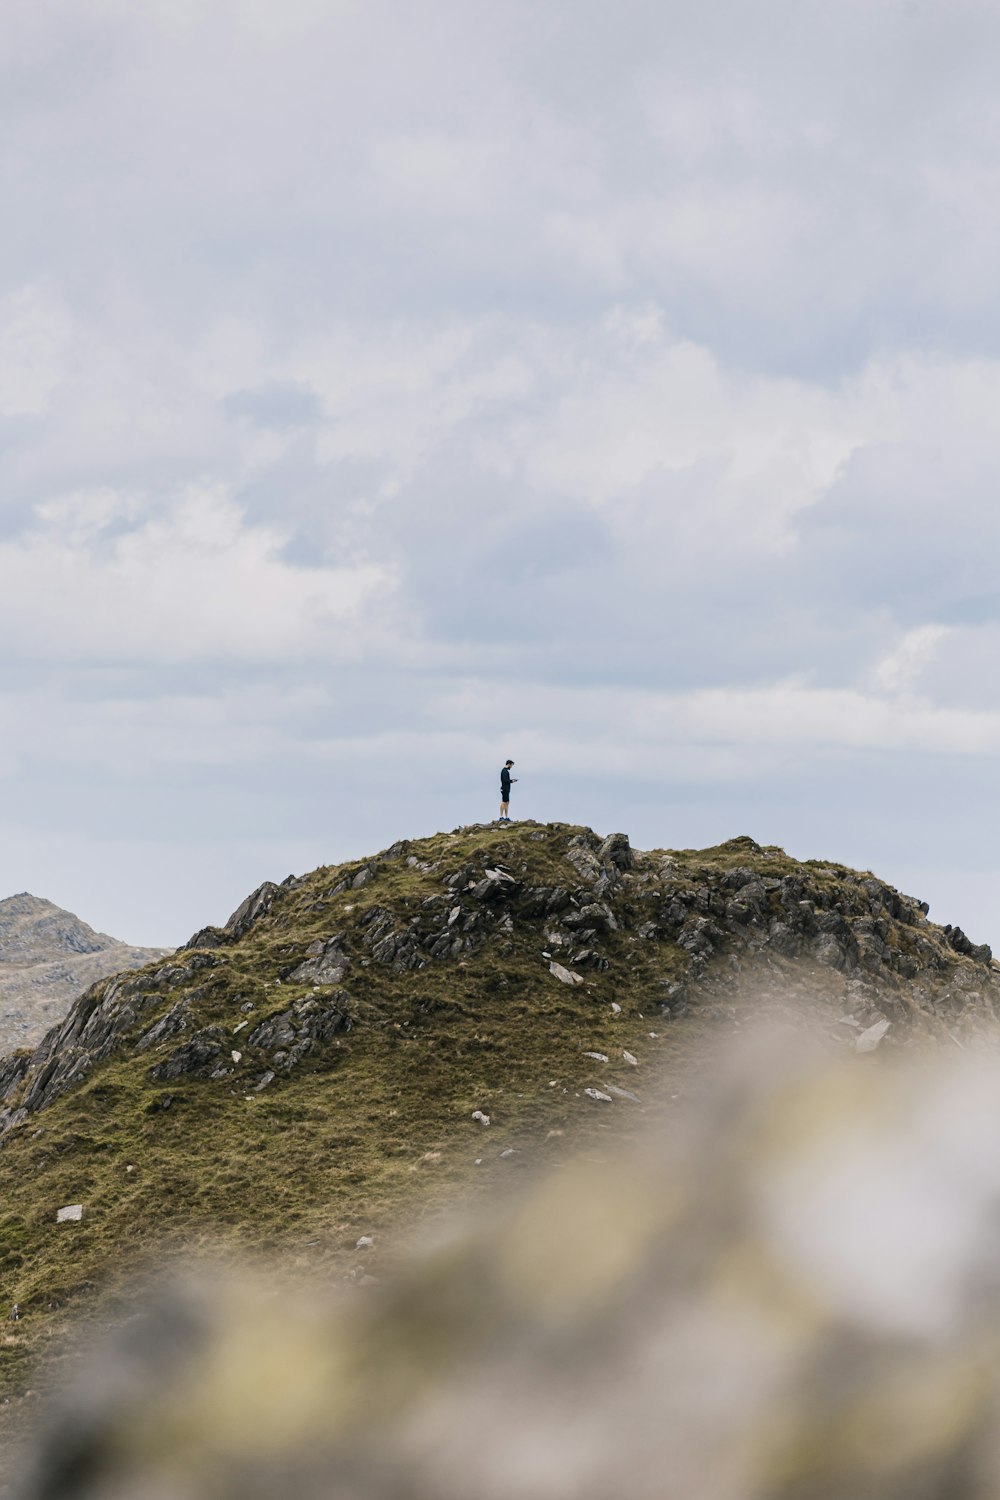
374	1130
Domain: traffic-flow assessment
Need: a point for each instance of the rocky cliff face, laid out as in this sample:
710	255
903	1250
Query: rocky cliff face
47	958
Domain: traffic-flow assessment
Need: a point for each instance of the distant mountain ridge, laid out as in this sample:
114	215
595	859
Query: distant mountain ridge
48	957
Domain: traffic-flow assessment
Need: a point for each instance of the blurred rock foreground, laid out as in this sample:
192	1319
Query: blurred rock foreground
47	958
695	1260
792	1291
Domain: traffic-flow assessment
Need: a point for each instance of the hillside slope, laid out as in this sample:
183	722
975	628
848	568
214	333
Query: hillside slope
790	1293
310	1074
47	958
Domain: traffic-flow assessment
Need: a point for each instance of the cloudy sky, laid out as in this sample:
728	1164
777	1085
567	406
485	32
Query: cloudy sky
391	386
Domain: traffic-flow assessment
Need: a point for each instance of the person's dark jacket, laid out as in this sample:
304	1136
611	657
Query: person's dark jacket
505	784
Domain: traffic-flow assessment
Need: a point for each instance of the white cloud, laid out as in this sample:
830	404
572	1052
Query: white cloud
140	737
904	664
34	342
636	734
624	416
191	582
648	354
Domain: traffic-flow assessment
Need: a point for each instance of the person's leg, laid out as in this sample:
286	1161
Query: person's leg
503	811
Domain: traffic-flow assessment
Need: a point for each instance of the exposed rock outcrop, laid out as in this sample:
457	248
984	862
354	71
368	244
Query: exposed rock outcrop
603	905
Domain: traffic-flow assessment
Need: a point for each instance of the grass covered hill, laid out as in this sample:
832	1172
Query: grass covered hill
358	1044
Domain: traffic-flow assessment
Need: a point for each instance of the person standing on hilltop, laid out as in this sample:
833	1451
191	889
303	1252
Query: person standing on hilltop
505	781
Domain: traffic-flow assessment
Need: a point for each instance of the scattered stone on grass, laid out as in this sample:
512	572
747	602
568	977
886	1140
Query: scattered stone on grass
598	1094
870	1039
71	1214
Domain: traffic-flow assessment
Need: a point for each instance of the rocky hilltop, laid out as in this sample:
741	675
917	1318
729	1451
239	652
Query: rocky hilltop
355	1045
47	958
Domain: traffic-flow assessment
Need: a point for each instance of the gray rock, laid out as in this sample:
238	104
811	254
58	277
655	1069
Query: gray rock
783	938
294	1033
12	1072
583	859
167	1026
699	936
276	1032
252	910
199	1055
596	914
589	958
828	951
389	942
208	937
872	1036
616	850
496	886
325	963
961	944
565	975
